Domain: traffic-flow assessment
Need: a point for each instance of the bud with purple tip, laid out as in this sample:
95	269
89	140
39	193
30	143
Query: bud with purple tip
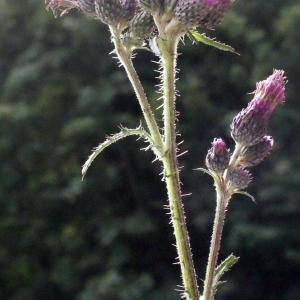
272	89
249	126
218	157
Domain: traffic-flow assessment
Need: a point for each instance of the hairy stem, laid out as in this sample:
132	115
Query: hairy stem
167	150
125	59
222	201
171	170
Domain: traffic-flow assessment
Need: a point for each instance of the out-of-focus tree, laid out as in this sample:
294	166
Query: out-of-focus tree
108	236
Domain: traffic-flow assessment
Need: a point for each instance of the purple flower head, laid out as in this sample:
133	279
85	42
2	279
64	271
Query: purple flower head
207	13
249	126
218	156
253	155
86	6
272	89
62	5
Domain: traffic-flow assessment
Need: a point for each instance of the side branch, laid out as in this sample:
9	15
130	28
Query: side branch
125	58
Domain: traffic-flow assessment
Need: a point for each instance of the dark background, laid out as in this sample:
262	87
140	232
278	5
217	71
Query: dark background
109	237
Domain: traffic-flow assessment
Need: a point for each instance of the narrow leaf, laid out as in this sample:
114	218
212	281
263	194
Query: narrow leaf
211	42
112	139
246	194
221	269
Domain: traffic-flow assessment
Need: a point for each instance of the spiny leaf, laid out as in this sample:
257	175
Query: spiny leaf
112	139
211	42
221	269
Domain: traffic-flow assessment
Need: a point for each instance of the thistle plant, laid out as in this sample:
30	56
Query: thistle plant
158	26
230	174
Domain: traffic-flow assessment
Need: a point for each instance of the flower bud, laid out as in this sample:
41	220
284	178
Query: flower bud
218	157
109	11
216	15
113	12
207	13
253	155
249	126
142	25
240	178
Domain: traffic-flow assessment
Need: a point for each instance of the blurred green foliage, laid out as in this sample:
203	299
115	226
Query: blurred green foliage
108	237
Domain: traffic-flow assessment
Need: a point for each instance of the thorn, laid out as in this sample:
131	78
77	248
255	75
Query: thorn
160	107
182	153
184	195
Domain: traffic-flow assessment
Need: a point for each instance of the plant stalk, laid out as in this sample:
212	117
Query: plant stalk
167	151
233	161
171	170
222	201
125	59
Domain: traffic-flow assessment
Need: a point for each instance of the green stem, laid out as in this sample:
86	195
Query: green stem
233	161
222	201
166	150
171	170
125	59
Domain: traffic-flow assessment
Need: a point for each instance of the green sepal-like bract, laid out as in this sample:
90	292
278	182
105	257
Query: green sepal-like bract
198	37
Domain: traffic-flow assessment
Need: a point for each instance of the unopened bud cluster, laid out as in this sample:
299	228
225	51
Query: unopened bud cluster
135	15
111	12
248	129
